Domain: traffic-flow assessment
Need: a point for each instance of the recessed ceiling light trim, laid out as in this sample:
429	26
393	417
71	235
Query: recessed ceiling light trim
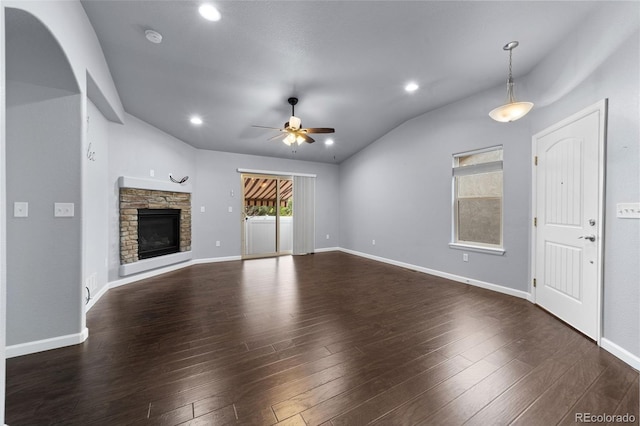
411	87
209	12
196	121
153	36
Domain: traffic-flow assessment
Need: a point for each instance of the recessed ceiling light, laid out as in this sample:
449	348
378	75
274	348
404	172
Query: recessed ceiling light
328	142
209	12
195	120
411	87
153	36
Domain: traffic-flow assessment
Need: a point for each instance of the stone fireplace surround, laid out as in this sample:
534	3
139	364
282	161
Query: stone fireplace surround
137	194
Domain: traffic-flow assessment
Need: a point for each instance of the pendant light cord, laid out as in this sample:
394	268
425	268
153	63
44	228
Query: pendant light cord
511	97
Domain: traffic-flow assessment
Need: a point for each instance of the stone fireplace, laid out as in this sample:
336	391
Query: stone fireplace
155	205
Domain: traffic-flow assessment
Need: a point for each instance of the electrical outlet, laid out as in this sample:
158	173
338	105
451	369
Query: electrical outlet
327	236
373	242
217	243
63	210
628	210
465	257
152	172
201	209
230	209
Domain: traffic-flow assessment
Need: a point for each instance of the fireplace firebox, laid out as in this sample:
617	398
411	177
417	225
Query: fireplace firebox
158	232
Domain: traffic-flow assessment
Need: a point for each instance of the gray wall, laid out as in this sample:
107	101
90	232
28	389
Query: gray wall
398	192
96	212
135	148
43	167
217	177
403	180
616	79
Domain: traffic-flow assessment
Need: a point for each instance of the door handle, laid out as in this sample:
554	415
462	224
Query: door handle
591	237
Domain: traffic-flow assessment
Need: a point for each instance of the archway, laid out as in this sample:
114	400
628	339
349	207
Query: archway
43	167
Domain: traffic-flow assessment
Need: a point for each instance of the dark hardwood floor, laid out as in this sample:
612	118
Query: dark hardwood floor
328	339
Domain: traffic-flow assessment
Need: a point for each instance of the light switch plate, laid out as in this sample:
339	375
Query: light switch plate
230	209
63	210
628	210
20	209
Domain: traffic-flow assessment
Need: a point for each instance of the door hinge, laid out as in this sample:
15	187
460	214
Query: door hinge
535	160
534	282
535	221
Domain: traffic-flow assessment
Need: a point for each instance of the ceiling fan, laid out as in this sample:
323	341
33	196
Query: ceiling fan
294	130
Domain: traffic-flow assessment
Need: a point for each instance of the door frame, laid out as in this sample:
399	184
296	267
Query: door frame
243	248
601	107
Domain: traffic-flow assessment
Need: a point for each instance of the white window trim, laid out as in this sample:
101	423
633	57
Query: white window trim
480	249
498	250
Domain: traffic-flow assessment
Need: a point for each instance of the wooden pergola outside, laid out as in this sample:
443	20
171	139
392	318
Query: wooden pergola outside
260	191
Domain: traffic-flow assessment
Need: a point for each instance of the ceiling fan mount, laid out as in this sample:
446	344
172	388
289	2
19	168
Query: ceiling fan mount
294	130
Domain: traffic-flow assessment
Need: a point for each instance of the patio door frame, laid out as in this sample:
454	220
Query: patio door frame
262	175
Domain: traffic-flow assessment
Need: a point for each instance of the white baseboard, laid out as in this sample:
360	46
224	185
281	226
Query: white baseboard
47	344
153	273
326	249
453	277
160	271
96	297
149	274
215	260
619	352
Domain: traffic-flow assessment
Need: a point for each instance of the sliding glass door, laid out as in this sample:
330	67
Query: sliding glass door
267	216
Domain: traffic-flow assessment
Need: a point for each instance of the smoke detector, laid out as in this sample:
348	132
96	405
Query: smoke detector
153	36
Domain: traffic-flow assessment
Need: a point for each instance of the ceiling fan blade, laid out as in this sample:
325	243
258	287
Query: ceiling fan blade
319	130
267	127
274	137
306	138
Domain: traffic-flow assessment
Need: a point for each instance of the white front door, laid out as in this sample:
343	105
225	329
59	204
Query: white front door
568	188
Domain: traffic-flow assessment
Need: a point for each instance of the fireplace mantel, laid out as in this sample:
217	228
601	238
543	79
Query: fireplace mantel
153	185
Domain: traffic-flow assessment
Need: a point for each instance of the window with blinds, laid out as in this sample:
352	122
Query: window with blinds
477	198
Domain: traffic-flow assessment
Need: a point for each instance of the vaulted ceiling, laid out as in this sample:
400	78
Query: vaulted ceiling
347	62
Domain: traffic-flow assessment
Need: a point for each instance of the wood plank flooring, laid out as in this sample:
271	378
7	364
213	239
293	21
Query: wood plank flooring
325	339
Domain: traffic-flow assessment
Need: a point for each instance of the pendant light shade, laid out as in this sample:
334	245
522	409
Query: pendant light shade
512	110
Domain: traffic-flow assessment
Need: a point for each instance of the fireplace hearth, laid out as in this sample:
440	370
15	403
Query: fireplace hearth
158	232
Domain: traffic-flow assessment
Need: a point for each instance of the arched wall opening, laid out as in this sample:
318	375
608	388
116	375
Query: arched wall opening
43	167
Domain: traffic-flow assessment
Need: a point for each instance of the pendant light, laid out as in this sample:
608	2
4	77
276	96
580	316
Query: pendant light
512	110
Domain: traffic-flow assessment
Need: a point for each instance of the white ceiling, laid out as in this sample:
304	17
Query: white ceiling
347	61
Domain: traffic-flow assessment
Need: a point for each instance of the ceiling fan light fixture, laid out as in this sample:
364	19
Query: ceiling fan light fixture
209	12
294	122
299	139
512	110
290	139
